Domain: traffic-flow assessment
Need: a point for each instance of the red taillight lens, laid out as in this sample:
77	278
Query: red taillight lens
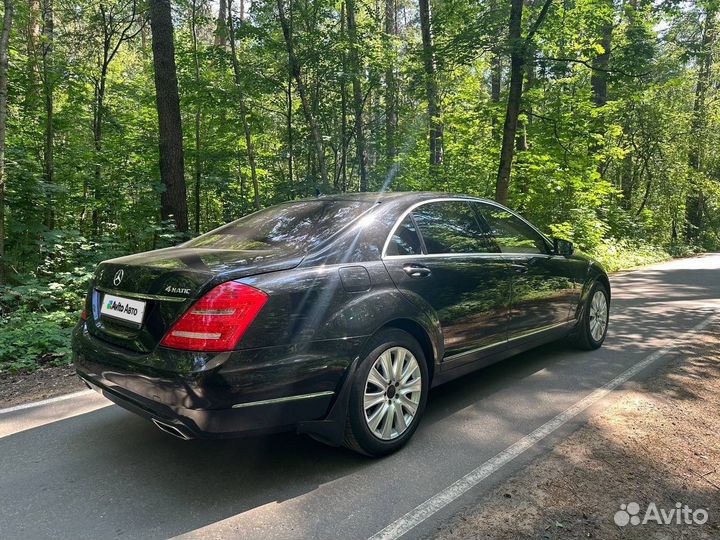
218	320
83	315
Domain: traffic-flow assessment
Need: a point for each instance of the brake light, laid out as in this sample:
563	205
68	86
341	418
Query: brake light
83	315
218	320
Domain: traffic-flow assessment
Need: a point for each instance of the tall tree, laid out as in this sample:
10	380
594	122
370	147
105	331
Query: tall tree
296	73
4	60
518	47
391	90
48	80
194	10
242	108
221	29
360	146
431	86
117	23
600	63
695	201
173	200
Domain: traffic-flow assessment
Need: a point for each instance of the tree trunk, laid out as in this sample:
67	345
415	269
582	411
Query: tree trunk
173	201
344	139
304	98
4	60
198	115
33	51
518	58
431	86
517	72
391	112
360	146
221	29
290	156
600	63
695	200
244	113
598	78
48	78
495	77
98	141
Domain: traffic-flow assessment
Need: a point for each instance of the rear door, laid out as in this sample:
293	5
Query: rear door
453	266
542	282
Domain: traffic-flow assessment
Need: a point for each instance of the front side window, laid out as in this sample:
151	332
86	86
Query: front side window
451	227
287	228
511	233
405	240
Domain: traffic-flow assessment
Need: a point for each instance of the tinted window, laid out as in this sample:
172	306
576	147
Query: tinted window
405	240
291	227
451	227
511	233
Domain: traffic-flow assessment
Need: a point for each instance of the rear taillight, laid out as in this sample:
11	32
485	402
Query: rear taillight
83	315
218	320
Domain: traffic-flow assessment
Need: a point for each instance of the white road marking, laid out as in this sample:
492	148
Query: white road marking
437	502
45	401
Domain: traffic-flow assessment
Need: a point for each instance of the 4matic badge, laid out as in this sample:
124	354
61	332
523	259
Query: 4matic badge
177	290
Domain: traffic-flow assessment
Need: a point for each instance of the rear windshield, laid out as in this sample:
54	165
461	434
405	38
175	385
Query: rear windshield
291	227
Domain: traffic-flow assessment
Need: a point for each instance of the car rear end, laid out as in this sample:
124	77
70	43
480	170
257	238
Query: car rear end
188	338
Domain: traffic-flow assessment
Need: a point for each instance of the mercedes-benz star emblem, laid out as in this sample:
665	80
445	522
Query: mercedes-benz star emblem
118	277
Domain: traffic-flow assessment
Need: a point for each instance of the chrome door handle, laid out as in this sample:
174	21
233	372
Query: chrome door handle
416	270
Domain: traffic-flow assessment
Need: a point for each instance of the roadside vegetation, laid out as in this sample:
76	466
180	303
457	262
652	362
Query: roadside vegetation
597	120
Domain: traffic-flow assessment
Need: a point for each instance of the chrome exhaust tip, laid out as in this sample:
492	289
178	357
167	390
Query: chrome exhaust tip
172	430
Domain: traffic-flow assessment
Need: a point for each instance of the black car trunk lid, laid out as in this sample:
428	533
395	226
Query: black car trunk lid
166	282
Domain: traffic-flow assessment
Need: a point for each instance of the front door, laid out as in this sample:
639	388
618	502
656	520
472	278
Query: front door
453	266
542	282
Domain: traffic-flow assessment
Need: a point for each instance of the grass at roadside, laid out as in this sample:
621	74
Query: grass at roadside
658	443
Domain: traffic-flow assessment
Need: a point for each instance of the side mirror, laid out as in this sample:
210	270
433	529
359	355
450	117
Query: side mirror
563	247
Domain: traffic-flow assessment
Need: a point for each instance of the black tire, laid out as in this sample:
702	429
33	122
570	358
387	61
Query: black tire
358	435
582	336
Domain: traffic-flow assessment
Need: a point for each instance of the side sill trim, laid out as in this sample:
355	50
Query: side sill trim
505	341
283	399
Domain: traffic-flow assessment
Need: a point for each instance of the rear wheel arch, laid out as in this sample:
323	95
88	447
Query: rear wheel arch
602	278
417	331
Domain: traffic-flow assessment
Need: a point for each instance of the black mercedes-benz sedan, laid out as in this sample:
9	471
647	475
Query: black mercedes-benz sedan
331	316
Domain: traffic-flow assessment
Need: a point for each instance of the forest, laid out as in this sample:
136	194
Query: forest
129	125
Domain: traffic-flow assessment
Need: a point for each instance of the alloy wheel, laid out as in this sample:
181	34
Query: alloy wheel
392	393
598	315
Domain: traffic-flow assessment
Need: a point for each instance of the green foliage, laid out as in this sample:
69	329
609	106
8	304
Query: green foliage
29	339
618	179
617	255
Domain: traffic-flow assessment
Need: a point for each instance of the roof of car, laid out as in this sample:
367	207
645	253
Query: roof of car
373	196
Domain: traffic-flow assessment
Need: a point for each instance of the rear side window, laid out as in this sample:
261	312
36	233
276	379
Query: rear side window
510	232
405	240
451	227
287	228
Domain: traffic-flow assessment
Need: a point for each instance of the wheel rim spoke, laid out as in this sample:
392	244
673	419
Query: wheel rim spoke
409	405
386	364
400	425
377	416
388	422
413	386
373	399
376	378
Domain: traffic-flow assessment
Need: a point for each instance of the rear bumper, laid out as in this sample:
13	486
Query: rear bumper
217	403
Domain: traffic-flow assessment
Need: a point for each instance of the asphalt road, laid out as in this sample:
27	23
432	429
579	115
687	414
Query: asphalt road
81	468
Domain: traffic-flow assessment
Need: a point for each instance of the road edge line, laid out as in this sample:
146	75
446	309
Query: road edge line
440	500
48	401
